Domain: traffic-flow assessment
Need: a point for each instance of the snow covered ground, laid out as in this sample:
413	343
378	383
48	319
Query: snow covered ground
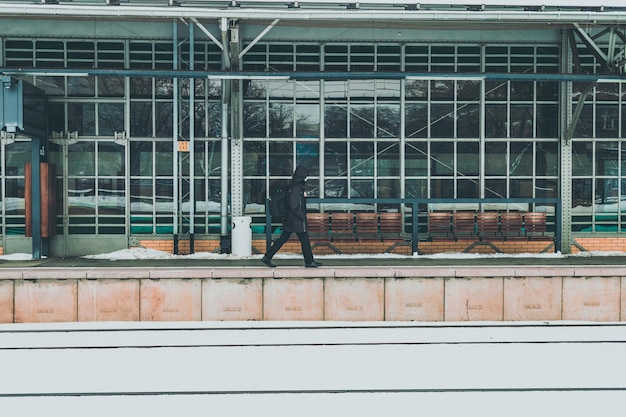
145	253
312	369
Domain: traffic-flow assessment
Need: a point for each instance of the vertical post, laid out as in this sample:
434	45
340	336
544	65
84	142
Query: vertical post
192	122
175	191
224	238
36	198
268	226
565	174
414	236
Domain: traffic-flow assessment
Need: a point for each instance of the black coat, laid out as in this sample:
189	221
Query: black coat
295	220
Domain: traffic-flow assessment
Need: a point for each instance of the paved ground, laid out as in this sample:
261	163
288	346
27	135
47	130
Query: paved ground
181	262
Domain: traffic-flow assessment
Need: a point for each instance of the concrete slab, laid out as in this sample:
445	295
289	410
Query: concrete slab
532	298
419	299
232	299
591	298
6	301
170	300
293	299
473	299
108	300
354	299
41	301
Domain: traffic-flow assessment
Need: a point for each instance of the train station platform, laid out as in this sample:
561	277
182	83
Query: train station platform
496	288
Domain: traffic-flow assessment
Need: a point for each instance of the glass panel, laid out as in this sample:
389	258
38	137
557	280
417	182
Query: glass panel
163	196
141	159
362	158
607	121
254	120
281	158
81	86
281	120
141	199
442	120
582	158
363	188
81	159
309	90
416	120
521	163
254	158
581	192
468	90
56	117
254	195
467	188
336	188
496	121
279	89
521	188
495	158
416	188
164	159
335	121
362	121
14	198
495	188
416	89
522	90
110	159
547	159
521	121
110	118
52	86
308	155
111	194
547	121
254	88
307	120
584	127
442	188
140	87
140	119
468	159
110	86
82	118
442	90
442	158
416	158
546	188
468	121
17	154
388	188
81	195
388	160
496	90
335	158
388	121
164	126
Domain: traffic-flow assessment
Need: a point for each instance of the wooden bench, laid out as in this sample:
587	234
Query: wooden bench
486	225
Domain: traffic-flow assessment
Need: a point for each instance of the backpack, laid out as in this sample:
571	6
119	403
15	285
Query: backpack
278	203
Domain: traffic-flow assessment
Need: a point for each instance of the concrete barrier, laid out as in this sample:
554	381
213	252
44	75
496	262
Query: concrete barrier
299	294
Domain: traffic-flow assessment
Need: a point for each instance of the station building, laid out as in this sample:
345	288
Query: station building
164	120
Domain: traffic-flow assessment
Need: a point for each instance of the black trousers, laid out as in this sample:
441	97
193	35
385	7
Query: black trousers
304	242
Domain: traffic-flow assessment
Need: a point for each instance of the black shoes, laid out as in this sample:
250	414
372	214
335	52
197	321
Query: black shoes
267	261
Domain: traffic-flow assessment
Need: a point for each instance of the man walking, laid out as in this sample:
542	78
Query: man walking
294	221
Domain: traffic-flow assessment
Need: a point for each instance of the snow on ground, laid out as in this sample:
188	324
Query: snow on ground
146	253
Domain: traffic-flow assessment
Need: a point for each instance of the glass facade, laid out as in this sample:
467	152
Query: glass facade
373	138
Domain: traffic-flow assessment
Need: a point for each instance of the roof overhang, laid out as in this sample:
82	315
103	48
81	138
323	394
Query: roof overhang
464	12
